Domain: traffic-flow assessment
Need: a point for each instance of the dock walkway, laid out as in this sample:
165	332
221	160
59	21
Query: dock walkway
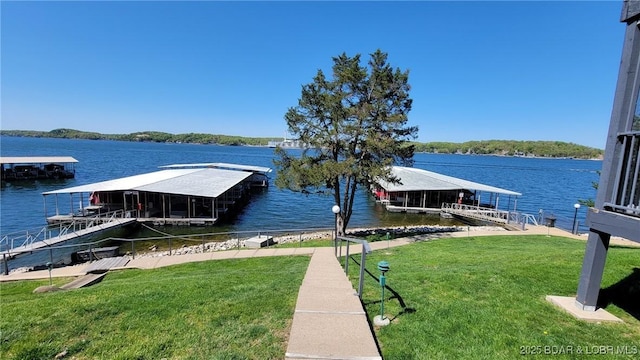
35	245
510	219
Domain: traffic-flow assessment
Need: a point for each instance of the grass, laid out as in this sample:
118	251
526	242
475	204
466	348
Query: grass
306	243
484	298
229	309
473	298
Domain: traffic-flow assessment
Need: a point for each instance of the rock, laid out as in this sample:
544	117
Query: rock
396	232
45	289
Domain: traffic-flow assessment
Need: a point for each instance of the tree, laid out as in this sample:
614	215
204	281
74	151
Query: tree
354	127
590	202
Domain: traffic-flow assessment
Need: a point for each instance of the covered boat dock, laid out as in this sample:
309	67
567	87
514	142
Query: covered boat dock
259	175
422	191
37	167
192	194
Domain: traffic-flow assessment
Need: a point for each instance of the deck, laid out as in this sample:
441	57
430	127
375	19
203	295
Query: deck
179	221
412	210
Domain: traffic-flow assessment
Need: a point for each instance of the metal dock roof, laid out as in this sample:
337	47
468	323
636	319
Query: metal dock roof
36	159
205	182
219	166
417	179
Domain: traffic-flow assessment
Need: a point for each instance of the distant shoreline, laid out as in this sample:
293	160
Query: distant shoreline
507	148
520	156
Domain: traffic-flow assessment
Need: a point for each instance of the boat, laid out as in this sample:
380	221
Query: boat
57	171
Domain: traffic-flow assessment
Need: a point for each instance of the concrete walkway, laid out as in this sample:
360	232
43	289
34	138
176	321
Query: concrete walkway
329	320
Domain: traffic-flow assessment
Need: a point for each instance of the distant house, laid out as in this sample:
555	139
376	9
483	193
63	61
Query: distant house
422	191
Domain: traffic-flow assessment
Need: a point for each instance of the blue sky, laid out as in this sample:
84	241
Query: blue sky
478	70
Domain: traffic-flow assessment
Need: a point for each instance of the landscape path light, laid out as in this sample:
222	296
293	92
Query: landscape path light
50	267
381	320
574	229
336	210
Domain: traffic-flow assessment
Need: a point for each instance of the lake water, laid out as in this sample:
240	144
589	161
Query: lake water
553	185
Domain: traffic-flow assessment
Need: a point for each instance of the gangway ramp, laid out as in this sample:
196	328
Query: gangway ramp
509	219
30	246
96	272
106	264
84	281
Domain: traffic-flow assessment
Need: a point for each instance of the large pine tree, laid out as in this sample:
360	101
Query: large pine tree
354	126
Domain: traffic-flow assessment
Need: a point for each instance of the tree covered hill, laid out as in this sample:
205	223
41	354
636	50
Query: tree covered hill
151	136
552	149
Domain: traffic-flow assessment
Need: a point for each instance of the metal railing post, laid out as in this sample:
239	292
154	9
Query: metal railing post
365	250
363	259
346	261
5	264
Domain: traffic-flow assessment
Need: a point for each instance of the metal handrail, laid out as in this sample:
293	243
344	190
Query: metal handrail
366	249
529	219
199	238
471	210
77	223
490	214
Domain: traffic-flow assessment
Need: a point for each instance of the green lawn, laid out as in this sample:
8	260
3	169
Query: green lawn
457	298
228	309
484	298
305	243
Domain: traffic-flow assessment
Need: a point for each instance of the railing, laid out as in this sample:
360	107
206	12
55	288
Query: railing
27	238
177	244
528	219
476	212
626	193
521	219
490	214
221	240
363	257
569	224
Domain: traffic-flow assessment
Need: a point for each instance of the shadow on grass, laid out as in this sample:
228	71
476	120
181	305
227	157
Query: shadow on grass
624	294
395	295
